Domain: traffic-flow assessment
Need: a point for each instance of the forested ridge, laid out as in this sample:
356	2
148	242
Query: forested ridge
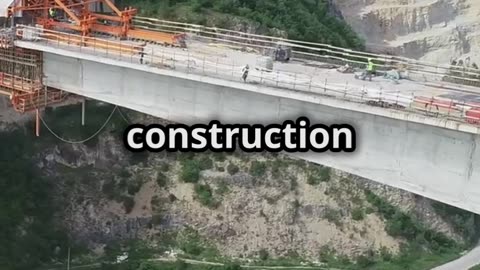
28	236
306	20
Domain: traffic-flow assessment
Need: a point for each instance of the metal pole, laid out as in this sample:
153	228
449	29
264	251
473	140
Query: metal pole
68	260
83	112
37	123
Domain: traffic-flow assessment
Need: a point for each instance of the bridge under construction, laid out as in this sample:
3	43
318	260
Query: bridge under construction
76	25
418	132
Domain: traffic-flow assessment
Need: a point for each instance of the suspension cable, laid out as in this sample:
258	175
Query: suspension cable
75	142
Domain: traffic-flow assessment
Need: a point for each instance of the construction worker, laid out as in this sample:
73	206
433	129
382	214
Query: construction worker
142	54
370	69
245	72
52	12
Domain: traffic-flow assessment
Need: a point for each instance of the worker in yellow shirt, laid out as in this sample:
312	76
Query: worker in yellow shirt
53	13
370	69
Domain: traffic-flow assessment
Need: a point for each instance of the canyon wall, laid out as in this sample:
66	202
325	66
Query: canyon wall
432	30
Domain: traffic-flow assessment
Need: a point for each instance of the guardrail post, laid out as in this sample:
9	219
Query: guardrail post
151	57
120	49
277	79
174	58
310	85
233	67
188	62
325	86
216	67
346	88
294	81
203	69
449	107
261	76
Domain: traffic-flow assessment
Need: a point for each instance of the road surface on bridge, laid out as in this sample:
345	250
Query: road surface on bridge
220	60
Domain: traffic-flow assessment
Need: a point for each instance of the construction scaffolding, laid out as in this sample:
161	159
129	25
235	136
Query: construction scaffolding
21	77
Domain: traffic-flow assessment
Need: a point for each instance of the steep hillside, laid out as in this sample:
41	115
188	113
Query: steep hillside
262	207
432	30
312	20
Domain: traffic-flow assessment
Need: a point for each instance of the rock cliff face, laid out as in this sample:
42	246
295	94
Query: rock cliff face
430	30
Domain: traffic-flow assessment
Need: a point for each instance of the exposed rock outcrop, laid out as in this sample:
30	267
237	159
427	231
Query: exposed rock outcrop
431	30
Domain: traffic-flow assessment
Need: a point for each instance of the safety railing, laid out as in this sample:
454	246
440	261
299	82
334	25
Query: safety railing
228	69
326	52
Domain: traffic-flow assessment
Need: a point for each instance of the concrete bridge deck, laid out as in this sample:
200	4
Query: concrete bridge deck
220	61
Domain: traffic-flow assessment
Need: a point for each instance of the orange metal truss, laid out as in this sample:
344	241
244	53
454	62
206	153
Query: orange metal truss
81	19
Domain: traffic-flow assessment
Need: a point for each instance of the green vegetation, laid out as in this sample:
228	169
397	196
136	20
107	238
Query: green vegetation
263	255
178	265
66	122
161	179
400	224
258	168
28	235
220	157
358	214
475	268
318	174
134	187
190	172
334	216
465	223
300	20
232	169
425	249
205	163
190	242
128	203
164	167
222	187
205	195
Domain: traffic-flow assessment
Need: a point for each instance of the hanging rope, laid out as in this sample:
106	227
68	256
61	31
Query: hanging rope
75	142
82	141
123	116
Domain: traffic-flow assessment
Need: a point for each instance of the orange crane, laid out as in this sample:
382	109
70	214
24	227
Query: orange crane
77	16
